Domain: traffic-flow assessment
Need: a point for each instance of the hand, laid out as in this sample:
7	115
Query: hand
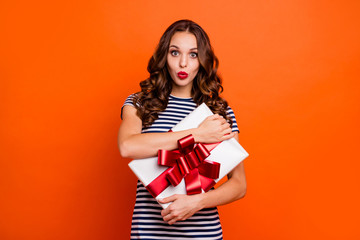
213	129
183	207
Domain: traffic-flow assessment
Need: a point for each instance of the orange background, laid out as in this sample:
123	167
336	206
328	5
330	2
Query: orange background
291	74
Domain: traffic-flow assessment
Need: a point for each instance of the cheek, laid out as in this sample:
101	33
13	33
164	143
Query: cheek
196	64
170	64
196	67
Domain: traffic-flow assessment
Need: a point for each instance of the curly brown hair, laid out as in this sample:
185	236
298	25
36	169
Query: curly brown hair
155	90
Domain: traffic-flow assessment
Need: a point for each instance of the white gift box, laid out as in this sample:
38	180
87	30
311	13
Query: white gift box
228	153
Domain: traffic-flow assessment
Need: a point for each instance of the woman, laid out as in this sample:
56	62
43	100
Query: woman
183	74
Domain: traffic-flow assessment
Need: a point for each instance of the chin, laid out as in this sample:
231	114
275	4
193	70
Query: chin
182	83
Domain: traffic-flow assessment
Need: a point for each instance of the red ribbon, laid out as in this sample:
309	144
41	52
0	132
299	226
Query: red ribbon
188	161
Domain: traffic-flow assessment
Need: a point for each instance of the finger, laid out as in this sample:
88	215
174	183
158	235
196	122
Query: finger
225	126
168	217
222	120
228	136
171	218
188	215
172	221
168	199
165	212
211	117
216	116
224	129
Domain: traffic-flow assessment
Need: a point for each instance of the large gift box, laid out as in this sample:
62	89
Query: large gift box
226	155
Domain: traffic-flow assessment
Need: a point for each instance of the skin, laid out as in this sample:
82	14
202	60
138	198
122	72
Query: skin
182	56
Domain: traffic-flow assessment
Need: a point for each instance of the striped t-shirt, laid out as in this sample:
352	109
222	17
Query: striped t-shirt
147	222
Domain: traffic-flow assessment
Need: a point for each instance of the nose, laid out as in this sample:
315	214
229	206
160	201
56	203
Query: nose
183	61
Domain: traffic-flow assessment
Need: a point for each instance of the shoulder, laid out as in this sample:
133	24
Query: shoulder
129	101
130	98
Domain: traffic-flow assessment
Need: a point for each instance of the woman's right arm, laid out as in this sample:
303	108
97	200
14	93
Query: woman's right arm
134	144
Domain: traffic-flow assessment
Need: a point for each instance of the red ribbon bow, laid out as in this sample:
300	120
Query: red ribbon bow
188	161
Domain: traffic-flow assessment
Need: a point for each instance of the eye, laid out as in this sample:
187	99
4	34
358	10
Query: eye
174	53
193	54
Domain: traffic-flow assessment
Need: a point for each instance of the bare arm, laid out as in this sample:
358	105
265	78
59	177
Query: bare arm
184	206
229	191
134	144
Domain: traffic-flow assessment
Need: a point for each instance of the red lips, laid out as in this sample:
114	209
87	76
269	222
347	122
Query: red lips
182	75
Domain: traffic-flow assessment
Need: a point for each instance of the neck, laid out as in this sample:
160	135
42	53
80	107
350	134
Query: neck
181	92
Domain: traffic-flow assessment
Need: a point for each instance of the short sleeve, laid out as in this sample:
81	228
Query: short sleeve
128	101
231	113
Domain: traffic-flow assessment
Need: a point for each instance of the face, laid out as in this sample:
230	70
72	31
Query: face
182	60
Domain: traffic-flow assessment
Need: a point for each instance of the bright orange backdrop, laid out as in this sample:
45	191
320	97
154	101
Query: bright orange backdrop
290	71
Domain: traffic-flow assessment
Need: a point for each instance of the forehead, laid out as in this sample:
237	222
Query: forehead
184	40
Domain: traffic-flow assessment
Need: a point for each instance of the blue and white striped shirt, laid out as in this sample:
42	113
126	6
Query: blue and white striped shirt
147	222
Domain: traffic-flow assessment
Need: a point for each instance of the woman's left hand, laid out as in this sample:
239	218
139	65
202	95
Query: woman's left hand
183	207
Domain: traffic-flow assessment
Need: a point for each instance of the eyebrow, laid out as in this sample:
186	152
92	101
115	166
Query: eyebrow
178	47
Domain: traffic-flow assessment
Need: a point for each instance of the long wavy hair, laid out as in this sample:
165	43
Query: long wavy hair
155	90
